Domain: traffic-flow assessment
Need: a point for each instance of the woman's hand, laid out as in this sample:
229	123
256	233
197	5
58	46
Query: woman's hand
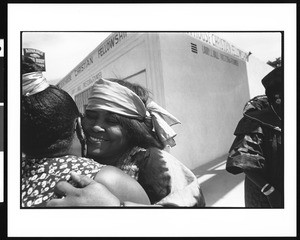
92	193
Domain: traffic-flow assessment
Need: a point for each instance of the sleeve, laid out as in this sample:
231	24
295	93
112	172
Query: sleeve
168	182
246	151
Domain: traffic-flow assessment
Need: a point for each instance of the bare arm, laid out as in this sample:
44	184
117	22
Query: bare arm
91	193
122	185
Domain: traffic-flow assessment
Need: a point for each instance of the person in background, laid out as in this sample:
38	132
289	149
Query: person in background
51	136
258	147
126	129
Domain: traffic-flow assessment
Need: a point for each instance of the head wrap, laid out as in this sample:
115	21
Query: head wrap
33	82
113	97
273	81
162	120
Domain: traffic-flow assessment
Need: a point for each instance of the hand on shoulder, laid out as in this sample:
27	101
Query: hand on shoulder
91	194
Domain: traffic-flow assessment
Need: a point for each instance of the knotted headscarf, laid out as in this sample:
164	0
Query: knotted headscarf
33	82
113	97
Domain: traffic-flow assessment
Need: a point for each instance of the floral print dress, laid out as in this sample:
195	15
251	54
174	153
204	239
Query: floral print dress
39	176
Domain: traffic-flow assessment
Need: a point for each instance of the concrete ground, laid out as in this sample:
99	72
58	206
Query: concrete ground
220	188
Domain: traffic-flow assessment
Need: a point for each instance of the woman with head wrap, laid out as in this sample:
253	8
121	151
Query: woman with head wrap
49	121
124	128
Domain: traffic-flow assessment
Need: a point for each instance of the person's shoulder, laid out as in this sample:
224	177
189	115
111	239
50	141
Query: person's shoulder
110	171
160	157
258	112
79	160
258	103
159	153
110	175
253	111
167	166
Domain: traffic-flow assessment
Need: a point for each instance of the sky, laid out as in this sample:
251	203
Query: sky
64	50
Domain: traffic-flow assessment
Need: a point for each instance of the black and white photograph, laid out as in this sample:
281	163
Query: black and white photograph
173	124
216	79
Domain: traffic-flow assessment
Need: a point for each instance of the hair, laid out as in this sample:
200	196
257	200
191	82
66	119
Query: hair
138	132
47	120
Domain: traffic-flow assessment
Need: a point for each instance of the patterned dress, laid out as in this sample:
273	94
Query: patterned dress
39	176
166	180
258	147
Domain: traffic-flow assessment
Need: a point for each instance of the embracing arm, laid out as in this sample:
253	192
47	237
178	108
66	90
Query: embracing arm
122	185
92	193
171	183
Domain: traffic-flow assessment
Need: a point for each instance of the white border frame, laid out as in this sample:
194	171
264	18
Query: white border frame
145	222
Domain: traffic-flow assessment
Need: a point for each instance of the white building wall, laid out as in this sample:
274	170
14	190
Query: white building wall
206	90
206	93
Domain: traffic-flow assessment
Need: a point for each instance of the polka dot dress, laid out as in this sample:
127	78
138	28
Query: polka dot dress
39	176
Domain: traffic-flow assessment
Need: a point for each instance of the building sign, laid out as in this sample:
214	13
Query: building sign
102	50
86	83
220	43
83	66
111	43
37	56
217	55
77	71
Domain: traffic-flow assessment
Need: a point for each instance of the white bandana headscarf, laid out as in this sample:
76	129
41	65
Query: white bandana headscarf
33	82
113	97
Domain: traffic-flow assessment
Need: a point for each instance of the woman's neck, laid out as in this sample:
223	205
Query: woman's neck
75	148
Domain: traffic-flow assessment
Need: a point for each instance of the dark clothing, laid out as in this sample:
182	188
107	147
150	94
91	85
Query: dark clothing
258	147
165	179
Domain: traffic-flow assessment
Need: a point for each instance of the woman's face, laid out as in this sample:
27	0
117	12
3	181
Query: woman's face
105	137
